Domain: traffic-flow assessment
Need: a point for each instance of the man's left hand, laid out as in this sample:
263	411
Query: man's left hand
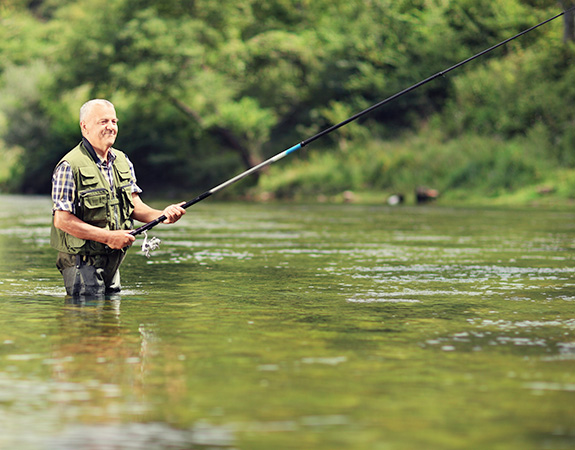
173	213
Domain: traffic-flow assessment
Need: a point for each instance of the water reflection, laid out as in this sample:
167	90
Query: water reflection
104	369
93	348
142	436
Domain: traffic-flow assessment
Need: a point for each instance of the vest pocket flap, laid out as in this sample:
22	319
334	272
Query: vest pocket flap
124	175
94	199
89	175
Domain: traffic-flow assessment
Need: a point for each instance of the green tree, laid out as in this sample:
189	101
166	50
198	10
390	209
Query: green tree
158	50
202	87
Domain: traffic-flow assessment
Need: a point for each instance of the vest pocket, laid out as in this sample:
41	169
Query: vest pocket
125	196
127	204
89	176
94	208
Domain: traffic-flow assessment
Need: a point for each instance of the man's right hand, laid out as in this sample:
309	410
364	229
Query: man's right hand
119	239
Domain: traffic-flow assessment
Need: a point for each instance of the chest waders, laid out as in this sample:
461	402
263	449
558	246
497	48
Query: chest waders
91	268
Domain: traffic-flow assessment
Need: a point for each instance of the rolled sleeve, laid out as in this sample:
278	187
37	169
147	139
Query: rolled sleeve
63	189
135	188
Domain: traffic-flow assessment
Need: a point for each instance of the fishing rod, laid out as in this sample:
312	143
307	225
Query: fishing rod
296	147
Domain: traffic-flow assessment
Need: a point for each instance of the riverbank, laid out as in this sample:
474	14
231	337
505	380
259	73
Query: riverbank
467	170
531	196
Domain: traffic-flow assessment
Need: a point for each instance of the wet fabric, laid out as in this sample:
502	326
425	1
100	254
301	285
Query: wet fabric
94	275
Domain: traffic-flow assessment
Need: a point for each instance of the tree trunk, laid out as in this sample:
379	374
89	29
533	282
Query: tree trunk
228	138
568	20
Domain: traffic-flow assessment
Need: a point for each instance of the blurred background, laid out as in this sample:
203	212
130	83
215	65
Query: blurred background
205	89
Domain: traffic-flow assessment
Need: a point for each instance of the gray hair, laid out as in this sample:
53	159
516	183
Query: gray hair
87	107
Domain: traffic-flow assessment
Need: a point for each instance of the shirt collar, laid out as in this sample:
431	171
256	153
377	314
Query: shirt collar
94	155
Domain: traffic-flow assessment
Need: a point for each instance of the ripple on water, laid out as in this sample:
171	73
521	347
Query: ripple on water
469	271
381	297
522	333
473	341
523	324
221	255
156	436
410	295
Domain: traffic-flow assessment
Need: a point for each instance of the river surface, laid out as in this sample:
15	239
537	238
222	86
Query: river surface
297	327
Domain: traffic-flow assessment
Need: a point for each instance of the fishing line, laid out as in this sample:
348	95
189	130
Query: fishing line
296	147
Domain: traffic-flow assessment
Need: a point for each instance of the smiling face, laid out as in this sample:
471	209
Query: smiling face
100	127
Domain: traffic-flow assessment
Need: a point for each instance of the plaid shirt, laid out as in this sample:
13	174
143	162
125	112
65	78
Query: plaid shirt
64	187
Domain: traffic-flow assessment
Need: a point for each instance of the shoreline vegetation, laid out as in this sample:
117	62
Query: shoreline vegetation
466	171
206	90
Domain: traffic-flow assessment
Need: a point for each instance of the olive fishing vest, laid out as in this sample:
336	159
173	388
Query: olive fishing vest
96	202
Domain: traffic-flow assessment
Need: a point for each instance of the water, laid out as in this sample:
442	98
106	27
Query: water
297	327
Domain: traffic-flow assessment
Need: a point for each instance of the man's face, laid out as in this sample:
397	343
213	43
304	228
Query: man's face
100	127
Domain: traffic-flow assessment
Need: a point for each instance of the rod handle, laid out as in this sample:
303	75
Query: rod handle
148	225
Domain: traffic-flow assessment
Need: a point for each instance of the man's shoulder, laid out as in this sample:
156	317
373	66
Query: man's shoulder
120	158
119	153
75	153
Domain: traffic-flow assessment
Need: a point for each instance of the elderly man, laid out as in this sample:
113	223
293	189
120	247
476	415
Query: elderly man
95	199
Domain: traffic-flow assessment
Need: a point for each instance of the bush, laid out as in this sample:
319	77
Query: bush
484	166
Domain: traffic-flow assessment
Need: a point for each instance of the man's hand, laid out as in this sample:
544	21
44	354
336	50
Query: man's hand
116	239
143	213
119	239
173	212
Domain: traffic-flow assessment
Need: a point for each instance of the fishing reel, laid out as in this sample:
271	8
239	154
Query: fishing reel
149	245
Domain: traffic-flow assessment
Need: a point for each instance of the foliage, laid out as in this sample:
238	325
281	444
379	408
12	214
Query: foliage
509	97
204	89
470	163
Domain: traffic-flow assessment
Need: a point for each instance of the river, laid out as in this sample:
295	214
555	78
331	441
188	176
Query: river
289	326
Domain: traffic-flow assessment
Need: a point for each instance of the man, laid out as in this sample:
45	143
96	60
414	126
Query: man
95	199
